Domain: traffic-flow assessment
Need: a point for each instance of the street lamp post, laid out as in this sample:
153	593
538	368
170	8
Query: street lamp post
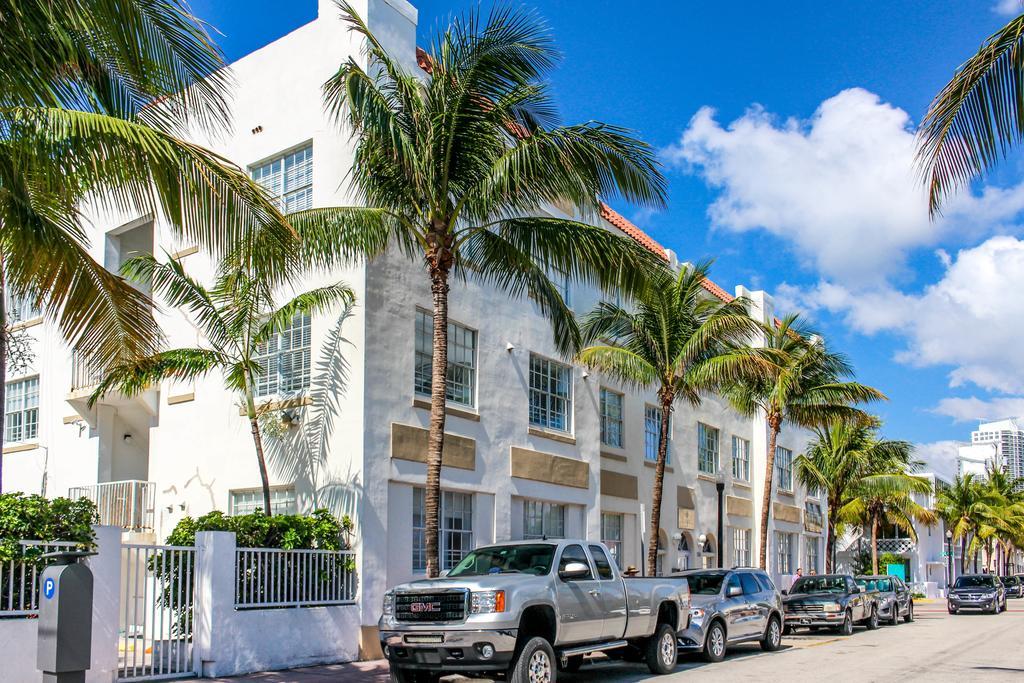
949	559
720	486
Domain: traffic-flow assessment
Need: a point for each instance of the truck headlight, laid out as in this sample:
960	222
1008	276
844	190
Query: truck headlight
832	607
486	602
389	604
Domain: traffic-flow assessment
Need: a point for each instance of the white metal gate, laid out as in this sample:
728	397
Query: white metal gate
156	617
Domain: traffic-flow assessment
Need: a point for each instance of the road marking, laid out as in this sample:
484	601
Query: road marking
824	642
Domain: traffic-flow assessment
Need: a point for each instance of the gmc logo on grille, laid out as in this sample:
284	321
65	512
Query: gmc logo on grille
424	607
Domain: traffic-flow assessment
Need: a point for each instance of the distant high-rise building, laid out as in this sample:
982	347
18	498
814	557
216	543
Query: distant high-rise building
999	444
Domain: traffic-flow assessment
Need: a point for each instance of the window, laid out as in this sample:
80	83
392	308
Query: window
284	359
21	414
248	501
611	536
765	581
783	468
733	582
611	418
550	400
812	514
707	552
543	520
750	585
740	459
575	553
20	309
652	434
460	384
604	568
707	449
288	178
783	553
455	534
814	491
741	547
813	554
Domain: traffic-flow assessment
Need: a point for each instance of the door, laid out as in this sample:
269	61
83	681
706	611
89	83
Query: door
858	600
579	601
734	609
902	596
613	595
757	603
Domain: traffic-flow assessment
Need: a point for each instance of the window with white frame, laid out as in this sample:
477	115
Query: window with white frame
611	535
783	552
652	434
284	359
20	308
741	547
550	394
740	459
707	449
783	468
812	513
460	384
542	520
813	544
288	178
611	418
455	533
248	501
21	412
814	491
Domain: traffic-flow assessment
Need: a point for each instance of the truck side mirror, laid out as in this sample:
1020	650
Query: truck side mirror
573	570
784	591
856	589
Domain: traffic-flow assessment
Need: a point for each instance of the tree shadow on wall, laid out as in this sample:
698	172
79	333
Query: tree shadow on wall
299	440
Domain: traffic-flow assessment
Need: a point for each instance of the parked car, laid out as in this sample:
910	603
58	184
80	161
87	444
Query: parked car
977	591
892	595
832	601
528	609
1014	586
730	606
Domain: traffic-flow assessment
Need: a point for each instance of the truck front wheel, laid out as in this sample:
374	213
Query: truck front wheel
534	664
662	651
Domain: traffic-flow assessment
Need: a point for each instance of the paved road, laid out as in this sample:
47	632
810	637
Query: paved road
936	647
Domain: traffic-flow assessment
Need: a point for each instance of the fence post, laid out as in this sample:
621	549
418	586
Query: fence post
214	601
106	572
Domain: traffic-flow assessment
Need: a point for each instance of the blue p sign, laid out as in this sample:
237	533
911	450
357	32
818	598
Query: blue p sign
49	586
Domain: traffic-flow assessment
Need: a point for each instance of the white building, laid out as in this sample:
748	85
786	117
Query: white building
998	444
535	445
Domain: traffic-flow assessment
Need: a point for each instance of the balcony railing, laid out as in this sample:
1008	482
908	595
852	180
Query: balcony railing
895	545
84	373
126	504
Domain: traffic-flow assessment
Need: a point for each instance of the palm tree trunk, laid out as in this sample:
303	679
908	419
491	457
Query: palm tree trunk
3	366
830	542
963	554
254	425
659	482
874	543
439	269
774	427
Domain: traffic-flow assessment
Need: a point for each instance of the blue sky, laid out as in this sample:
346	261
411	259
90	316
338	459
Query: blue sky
787	133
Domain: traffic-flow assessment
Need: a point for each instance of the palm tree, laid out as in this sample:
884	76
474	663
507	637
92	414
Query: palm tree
962	507
237	317
454	166
976	118
92	98
679	341
801	385
884	492
1002	518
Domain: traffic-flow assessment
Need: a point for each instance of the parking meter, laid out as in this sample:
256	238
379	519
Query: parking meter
64	644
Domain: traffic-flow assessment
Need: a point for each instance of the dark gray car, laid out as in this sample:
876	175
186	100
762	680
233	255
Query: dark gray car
977	591
893	596
730	606
1014	586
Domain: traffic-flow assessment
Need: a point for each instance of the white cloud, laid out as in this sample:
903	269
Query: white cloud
840	186
974	409
1008	8
939	457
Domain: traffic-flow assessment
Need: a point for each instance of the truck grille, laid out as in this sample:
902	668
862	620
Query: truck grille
445	606
804	609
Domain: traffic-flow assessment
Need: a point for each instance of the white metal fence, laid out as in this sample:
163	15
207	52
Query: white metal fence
157	612
19	577
128	504
293	578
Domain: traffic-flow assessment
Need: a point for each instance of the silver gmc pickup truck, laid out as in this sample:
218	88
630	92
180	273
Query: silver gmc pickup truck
529	609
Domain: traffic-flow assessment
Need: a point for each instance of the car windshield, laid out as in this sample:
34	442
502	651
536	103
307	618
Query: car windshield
1011	580
533	559
705	584
819	584
974	582
874	584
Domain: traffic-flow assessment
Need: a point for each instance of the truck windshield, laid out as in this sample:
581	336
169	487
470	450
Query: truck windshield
819	584
705	584
533	559
974	582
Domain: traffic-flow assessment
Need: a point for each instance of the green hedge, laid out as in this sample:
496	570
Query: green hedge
318	530
34	518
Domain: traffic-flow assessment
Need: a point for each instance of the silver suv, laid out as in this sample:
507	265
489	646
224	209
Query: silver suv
730	606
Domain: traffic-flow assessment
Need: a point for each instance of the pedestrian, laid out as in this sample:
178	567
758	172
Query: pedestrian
799	572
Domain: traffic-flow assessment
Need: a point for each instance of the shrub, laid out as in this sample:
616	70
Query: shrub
34	518
318	530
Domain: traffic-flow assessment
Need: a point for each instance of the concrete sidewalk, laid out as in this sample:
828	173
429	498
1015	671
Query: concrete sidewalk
375	671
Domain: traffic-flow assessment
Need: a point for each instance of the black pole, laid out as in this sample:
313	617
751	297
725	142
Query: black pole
949	562
720	485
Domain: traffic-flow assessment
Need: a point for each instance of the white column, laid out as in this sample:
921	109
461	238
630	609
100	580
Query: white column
214	602
106	599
